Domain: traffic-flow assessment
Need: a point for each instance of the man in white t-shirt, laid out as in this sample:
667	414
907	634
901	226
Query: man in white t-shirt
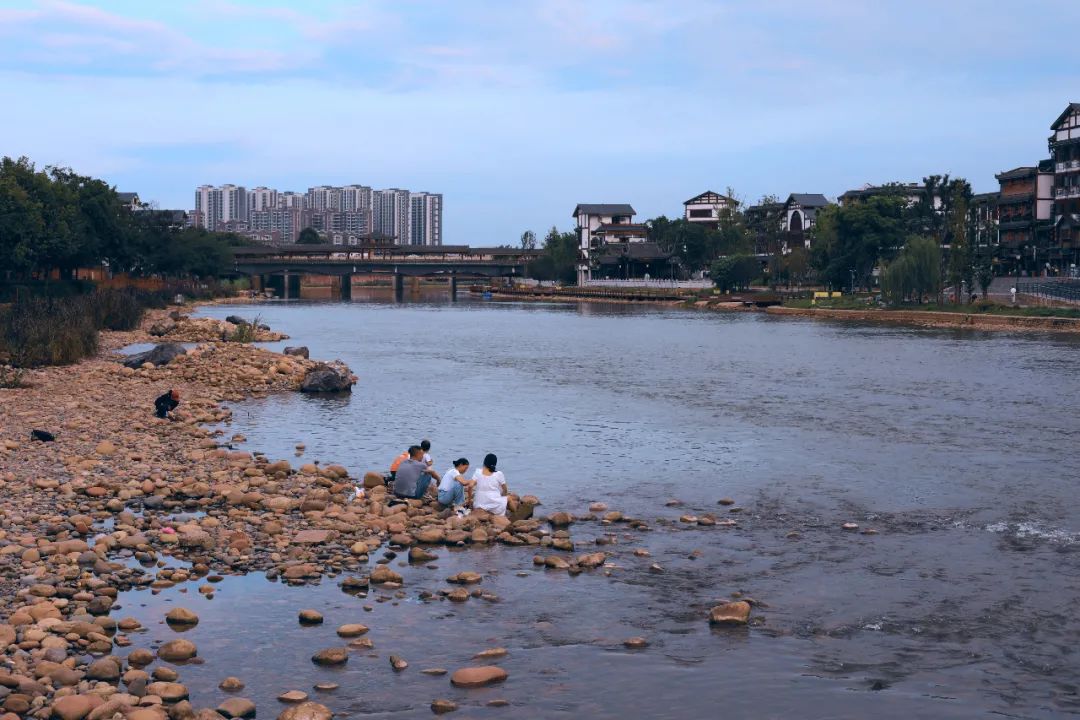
453	486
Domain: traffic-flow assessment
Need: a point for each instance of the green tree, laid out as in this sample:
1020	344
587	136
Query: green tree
915	272
558	259
849	241
528	240
984	271
733	272
309	236
960	266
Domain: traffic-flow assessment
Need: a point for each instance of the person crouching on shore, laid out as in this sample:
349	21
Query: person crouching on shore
166	403
453	487
413	476
490	492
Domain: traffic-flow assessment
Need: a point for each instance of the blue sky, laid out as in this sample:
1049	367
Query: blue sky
516	110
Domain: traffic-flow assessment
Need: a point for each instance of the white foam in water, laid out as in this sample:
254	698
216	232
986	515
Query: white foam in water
1028	529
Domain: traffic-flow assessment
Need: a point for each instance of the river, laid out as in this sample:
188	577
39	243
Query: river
957	447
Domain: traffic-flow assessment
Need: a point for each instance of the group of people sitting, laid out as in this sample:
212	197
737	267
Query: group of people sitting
413	475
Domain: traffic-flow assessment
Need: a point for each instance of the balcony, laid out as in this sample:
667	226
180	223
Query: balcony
1067	166
1067	192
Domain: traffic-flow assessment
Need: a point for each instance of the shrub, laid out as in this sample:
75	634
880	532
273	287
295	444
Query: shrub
118	309
10	377
246	332
48	331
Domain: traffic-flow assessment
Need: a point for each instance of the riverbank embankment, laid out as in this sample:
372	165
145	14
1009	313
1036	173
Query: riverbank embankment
935	319
735	303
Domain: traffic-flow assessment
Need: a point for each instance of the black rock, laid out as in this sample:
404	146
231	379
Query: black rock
236	320
42	435
326	379
162	354
300	351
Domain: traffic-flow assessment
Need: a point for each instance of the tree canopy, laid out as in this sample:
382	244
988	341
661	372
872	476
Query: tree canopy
309	236
54	219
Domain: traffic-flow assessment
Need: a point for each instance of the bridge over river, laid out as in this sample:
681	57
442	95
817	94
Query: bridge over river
398	262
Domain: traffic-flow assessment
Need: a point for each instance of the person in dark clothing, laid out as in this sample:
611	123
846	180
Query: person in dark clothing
414	476
166	403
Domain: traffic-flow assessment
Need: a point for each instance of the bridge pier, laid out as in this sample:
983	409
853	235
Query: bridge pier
285	286
399	287
453	287
346	287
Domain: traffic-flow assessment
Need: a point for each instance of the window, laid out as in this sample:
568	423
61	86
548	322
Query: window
701	213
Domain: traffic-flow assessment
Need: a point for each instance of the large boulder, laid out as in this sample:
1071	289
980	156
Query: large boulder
181	616
306	711
162	354
177	650
324	378
159	329
75	707
300	351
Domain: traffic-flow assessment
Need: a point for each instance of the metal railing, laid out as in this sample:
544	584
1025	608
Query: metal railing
1072	191
1063	289
1067	165
657	283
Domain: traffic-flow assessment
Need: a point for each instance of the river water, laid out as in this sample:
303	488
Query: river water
957	447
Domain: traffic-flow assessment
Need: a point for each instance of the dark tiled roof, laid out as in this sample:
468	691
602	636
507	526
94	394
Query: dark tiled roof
127	197
612	252
1016	173
707	194
603	209
808	199
1064	114
624	228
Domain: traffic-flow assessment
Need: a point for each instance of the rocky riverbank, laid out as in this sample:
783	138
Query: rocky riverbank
94	512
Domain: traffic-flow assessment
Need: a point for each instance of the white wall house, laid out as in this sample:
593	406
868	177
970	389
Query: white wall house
708	207
599	224
800	212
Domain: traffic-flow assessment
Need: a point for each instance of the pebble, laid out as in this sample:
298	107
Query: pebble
237	707
472	677
352	630
331	656
292	696
440	707
310	617
491	654
398	663
732	613
636	643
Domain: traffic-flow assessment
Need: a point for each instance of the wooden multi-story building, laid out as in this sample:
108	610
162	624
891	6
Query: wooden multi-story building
708	208
1025	199
1064	146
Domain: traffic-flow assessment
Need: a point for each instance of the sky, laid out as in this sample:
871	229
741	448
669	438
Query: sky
517	110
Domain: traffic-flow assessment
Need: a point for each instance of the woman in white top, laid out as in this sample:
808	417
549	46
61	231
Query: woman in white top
490	492
453	485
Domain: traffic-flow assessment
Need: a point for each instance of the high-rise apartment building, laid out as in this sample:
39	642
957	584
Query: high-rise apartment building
425	218
218	205
262	198
390	214
355	210
291	199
